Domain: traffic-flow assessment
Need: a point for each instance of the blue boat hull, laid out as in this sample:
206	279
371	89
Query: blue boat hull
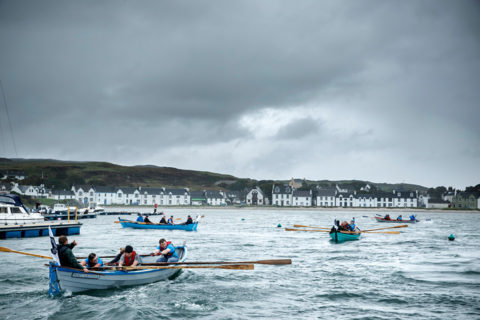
136	225
339	237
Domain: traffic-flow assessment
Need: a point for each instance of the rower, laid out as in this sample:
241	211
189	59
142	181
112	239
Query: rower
92	261
130	258
170	220
167	250
140	218
399	218
412	217
146	220
163	221
189	220
387	217
352	225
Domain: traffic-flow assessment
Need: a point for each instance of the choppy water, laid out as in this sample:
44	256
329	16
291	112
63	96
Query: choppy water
418	274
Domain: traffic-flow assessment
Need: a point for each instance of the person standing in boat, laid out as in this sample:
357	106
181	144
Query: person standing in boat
129	258
92	261
167	250
140	218
170	220
65	254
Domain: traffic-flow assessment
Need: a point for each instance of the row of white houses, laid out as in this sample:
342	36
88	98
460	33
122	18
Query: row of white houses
286	195
282	195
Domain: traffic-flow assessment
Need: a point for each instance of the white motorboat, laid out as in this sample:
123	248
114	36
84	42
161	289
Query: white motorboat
13	212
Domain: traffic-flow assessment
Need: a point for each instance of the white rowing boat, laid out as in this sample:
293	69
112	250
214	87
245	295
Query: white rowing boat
73	280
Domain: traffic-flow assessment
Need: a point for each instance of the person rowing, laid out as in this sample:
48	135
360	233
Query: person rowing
412	217
129	258
92	261
170	220
140	218
387	217
189	220
166	250
351	226
163	221
399	218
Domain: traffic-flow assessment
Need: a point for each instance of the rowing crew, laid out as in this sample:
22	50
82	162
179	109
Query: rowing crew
126	257
400	218
344	226
140	218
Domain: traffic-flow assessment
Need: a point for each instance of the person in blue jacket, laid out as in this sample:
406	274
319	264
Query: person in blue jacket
399	218
167	251
92	261
140	218
412	217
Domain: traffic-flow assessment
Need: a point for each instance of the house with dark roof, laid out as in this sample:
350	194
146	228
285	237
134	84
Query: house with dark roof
302	198
345	199
215	198
62	195
282	195
365	200
467	200
197	198
325	197
296	183
175	197
17	175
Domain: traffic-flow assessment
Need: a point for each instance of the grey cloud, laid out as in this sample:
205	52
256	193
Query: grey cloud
117	77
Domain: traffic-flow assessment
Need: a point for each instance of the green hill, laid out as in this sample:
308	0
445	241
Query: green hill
63	174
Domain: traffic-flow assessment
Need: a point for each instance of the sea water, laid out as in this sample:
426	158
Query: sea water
417	274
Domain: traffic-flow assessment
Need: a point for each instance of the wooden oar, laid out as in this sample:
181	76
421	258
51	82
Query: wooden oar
349	232
229	267
272	262
400	226
302	226
25	253
291	229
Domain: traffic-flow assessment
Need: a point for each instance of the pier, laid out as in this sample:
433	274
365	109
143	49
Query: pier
39	229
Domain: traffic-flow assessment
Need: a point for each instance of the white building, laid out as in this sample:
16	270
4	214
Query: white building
62	195
365	200
215	198
302	198
345	199
282	195
255	197
325	198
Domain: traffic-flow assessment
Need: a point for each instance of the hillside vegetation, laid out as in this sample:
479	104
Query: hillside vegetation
63	174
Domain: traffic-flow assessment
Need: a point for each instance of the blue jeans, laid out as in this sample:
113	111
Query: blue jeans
163	259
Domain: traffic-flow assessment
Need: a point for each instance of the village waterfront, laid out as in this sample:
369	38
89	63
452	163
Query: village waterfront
417	274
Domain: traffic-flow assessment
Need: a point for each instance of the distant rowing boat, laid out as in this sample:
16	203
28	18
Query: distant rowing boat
73	280
142	225
379	219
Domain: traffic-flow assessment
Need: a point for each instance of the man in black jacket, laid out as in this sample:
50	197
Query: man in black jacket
65	254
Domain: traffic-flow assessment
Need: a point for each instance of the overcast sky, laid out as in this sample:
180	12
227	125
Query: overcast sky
386	91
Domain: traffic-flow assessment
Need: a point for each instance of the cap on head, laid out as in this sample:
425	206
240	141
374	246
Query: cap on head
128	249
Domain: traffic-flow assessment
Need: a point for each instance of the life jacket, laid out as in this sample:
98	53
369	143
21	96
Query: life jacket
170	253
129	261
170	221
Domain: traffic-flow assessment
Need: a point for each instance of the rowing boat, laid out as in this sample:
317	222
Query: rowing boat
339	236
379	219
64	279
142	225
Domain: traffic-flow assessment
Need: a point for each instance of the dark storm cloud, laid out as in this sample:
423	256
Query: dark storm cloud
125	77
